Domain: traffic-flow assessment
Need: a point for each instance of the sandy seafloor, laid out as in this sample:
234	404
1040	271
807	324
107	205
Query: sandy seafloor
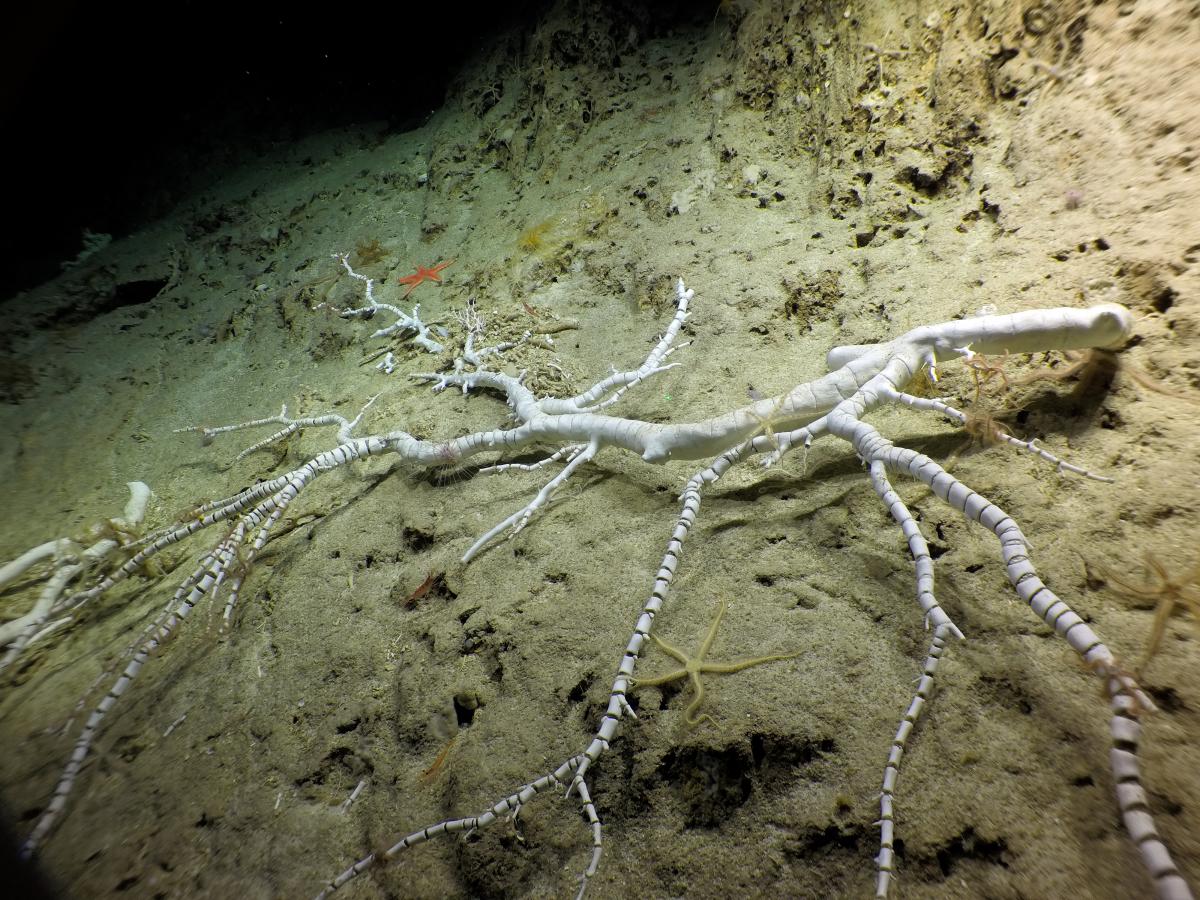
813	191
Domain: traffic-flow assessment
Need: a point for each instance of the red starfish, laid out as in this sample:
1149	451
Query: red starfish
423	274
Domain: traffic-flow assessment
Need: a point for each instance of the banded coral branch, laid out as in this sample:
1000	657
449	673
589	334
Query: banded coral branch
69	561
862	379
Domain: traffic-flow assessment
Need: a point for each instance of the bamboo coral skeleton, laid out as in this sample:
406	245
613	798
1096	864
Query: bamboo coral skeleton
862	379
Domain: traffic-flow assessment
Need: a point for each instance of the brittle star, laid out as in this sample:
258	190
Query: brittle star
694	666
766	424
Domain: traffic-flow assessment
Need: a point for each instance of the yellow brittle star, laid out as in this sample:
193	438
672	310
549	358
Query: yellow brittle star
766	425
695	666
